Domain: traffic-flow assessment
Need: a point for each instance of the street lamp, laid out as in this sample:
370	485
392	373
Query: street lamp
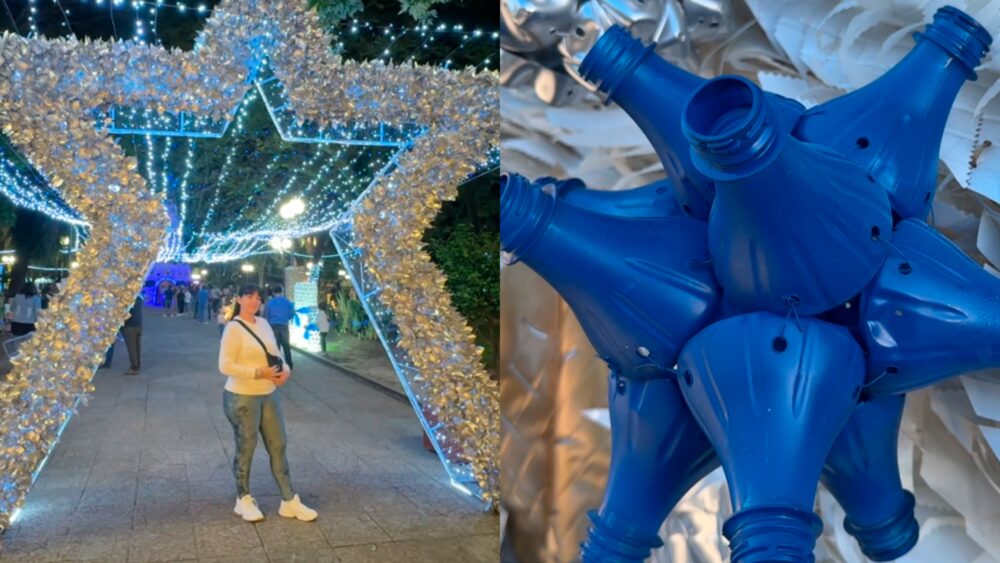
291	209
204	272
281	244
74	265
247	270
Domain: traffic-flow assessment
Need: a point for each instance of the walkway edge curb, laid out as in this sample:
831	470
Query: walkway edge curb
398	395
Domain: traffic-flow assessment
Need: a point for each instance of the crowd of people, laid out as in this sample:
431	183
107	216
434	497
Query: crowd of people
205	301
202	302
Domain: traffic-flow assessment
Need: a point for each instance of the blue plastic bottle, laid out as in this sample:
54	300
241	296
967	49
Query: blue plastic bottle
930	313
793	223
658	452
772	400
655	199
862	472
652	92
640	288
893	126
638	285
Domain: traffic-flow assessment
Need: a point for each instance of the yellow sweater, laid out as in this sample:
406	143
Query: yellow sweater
241	355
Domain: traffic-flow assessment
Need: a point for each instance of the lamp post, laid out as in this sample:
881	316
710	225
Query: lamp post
64	243
247	270
288	211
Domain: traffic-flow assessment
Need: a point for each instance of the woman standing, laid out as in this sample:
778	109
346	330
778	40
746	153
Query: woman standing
26	305
252	406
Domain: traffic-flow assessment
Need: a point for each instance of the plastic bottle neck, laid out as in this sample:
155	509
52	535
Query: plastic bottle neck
631	74
960	37
772	533
731	125
525	214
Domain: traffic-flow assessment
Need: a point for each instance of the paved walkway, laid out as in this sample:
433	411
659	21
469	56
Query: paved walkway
142	472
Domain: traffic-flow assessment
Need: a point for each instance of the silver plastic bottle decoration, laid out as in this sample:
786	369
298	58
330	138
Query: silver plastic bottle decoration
545	40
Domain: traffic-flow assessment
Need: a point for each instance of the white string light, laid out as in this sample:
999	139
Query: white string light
331	194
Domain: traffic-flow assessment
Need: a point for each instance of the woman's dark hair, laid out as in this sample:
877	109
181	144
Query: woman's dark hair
28	289
245	290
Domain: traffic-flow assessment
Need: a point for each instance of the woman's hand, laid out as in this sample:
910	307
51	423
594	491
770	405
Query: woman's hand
281	377
266	373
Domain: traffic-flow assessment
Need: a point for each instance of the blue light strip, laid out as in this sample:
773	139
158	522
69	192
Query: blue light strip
288	136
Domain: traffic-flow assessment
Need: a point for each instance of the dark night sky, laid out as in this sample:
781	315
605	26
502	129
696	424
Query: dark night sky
87	18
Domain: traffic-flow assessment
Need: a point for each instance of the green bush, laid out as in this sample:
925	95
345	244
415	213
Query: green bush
471	260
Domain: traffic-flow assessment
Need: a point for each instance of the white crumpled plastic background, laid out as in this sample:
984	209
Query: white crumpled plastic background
811	51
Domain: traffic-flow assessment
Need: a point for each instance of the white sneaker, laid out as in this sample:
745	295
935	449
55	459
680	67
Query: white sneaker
295	509
246	507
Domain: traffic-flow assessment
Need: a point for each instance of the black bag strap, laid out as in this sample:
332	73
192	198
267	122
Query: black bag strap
255	337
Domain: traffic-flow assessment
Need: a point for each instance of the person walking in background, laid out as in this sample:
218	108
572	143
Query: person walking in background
110	353
265	298
196	309
203	296
48	291
323	324
8	314
132	330
252	406
215	299
26	305
182	299
223	315
168	301
279	312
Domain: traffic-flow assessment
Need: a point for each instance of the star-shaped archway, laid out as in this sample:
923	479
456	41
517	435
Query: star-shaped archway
49	93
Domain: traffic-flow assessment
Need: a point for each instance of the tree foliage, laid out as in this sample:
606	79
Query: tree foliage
465	244
334	12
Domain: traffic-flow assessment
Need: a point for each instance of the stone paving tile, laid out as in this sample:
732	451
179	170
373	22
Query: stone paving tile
433	499
156	515
213	512
242	558
169	541
275	530
419	525
101	496
302	554
227	540
101	520
463	550
483	549
109	547
19	548
143	474
351	528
